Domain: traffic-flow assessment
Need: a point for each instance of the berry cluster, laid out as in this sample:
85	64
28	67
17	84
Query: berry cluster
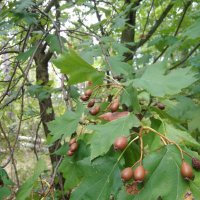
138	172
128	173
95	109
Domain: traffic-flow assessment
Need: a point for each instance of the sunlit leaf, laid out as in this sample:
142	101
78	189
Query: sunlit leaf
78	69
155	81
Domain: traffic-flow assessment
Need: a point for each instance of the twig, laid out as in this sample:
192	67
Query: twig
167	139
177	30
185	59
147	20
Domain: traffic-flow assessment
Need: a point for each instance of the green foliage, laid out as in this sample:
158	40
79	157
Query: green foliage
25	55
4	189
143	55
193	31
78	70
164	177
54	43
118	67
21	5
101	179
26	188
104	135
158	84
65	125
129	97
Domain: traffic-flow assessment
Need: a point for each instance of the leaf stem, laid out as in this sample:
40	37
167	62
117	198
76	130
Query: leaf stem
167	139
141	145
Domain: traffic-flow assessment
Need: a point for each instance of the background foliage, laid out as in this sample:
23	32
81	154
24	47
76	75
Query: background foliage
145	54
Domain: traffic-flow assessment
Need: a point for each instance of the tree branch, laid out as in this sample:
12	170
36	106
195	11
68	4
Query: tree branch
99	18
154	28
177	30
186	58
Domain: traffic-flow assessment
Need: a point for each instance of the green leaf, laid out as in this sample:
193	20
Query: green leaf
185	110
118	67
195	186
104	135
66	124
180	136
193	31
25	55
120	48
152	140
21	5
100	180
78	69
72	172
158	84
54	43
4	192
129	97
27	187
123	195
164	178
72	167
194	122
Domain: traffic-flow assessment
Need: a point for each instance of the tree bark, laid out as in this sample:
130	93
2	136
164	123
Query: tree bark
42	77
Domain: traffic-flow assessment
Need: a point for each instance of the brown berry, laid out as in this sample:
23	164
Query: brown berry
84	97
70	153
114	106
88	93
91	103
186	170
73	147
73	140
127	174
161	106
95	110
89	83
120	143
139	173
196	163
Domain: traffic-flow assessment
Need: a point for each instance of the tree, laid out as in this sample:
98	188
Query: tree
115	86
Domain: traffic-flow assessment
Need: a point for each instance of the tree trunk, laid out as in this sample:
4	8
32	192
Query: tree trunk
42	77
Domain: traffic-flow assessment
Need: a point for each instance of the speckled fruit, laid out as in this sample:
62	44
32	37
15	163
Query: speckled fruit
196	163
91	103
114	106
74	147
127	174
139	173
120	143
161	106
186	170
95	110
84	97
73	140
70	153
88	92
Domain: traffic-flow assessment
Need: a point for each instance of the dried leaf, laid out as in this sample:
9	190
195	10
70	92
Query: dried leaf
113	116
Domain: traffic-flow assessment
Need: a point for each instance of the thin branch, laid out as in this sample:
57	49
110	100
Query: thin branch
148	15
177	30
154	28
49	6
9	52
186	58
26	71
99	18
